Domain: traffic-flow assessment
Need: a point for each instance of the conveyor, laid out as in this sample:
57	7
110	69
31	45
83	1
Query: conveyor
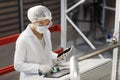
90	69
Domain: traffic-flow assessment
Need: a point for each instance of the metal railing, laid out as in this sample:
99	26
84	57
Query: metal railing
74	74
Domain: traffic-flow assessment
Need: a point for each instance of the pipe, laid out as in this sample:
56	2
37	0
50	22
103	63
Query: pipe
74	6
21	15
7	69
99	51
74	73
63	23
109	8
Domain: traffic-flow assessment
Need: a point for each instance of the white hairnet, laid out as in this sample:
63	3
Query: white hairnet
38	13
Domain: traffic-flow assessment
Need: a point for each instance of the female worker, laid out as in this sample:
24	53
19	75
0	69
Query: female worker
33	51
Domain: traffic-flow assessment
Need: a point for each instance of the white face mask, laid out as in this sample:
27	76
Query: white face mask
41	29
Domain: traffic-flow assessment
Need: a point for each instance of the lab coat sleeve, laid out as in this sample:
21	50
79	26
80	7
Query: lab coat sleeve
19	60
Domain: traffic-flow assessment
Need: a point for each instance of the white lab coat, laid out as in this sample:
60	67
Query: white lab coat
29	53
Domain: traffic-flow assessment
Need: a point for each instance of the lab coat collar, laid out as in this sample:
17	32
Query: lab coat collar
29	31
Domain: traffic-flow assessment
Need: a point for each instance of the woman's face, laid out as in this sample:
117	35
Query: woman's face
41	26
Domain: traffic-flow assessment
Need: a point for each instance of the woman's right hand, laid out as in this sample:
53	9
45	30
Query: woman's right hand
45	69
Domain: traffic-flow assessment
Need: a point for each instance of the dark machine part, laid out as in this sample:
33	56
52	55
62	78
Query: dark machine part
94	10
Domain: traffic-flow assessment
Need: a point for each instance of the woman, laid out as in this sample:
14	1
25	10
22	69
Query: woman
33	53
